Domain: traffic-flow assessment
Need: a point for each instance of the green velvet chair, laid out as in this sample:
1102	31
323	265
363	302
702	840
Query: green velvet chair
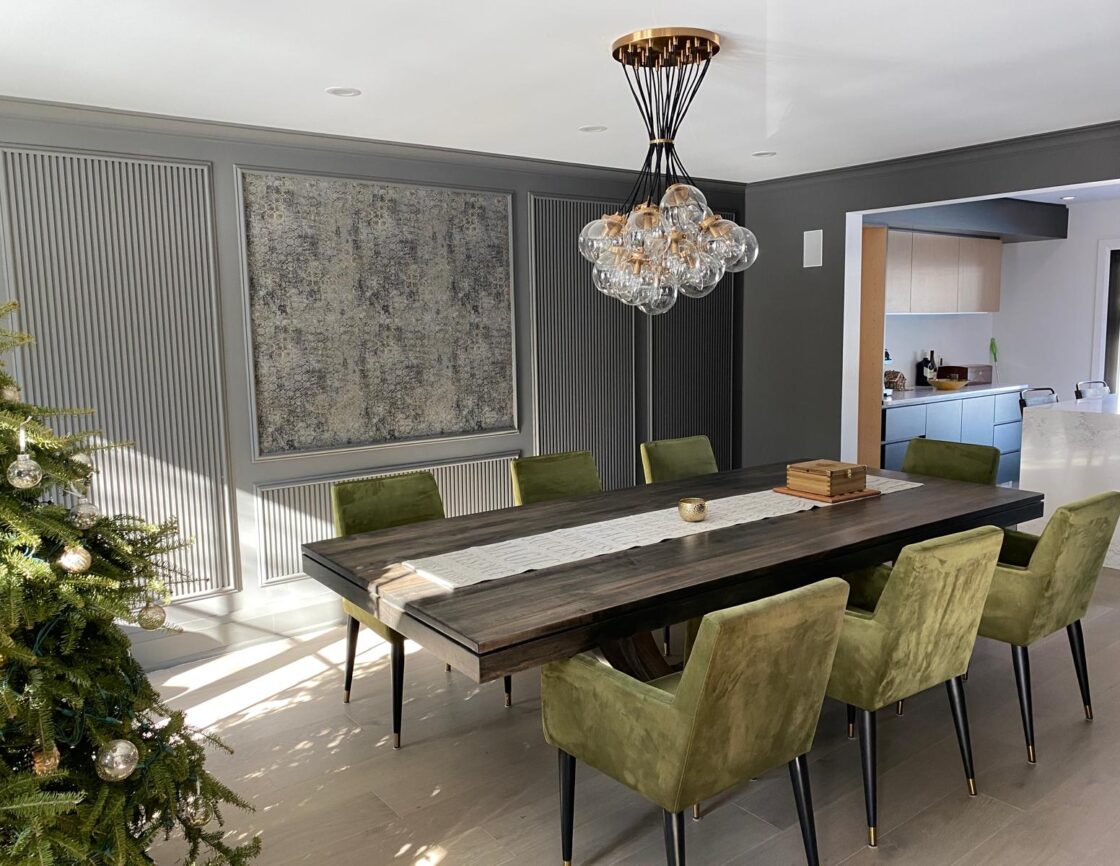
673	460
366	506
554	476
955	461
747	700
921	633
1044	583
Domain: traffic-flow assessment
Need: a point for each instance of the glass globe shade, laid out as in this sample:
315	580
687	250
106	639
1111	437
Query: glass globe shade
662	301
683	193
750	253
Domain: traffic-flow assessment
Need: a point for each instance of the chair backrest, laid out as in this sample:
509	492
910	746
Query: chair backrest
931	607
673	459
1068	558
1091	389
956	461
1036	397
754	684
379	503
554	476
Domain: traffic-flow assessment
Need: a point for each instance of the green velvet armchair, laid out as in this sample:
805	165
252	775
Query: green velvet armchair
672	460
366	506
554	476
747	700
1044	583
955	461
920	633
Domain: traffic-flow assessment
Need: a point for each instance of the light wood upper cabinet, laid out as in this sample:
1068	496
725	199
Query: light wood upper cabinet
980	275
929	273
899	267
935	277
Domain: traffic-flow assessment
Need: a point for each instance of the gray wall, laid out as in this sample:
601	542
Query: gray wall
276	493
793	317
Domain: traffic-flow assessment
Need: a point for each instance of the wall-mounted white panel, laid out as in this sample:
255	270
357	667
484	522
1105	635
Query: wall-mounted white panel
112	262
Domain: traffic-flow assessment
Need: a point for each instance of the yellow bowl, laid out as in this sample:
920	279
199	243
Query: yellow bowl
948	384
692	509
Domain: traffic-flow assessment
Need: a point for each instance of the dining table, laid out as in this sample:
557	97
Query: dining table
613	602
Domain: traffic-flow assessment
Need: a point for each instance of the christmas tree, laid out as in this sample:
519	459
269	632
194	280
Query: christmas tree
95	768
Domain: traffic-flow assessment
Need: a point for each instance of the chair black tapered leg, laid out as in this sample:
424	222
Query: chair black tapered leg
567	804
673	823
665	636
352	625
396	663
1077	646
955	688
867	753
1021	661
508	684
799	776
851	722
447	667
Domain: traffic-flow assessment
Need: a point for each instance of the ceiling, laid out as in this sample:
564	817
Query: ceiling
824	84
1079	194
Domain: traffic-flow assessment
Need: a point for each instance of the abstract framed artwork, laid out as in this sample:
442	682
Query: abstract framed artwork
377	312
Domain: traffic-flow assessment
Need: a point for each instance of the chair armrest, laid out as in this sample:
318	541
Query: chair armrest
857	671
1009	611
610	720
1018	548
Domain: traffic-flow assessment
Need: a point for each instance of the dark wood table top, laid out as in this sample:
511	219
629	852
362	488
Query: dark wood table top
501	626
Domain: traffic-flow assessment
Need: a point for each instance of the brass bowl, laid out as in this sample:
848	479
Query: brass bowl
692	509
948	384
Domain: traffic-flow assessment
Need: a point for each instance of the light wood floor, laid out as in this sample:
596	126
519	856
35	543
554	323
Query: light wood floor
476	784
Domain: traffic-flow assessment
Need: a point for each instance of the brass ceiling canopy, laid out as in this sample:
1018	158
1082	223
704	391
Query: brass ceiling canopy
666	46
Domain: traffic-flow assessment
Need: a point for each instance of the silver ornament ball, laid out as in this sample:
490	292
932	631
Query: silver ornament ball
84	514
196	812
11	394
24	473
75	559
117	760
151	616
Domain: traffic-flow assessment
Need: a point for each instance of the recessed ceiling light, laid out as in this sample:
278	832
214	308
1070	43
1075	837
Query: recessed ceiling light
1069	197
344	91
594	127
764	154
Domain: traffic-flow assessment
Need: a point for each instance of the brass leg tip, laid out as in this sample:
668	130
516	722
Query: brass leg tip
696	812
872	838
899	707
567	863
1088	713
1030	755
972	787
396	741
509	701
346	696
851	732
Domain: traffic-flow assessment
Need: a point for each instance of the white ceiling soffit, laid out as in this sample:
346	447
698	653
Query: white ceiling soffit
823	84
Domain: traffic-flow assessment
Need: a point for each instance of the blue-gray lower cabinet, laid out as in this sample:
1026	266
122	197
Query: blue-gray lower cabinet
980	419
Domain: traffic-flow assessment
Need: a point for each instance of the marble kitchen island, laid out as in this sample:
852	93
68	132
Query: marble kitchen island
1070	451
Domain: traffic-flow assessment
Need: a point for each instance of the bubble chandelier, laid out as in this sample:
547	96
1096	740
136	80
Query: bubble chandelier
665	242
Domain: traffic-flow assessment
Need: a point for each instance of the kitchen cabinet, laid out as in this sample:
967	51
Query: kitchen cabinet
935	273
899	268
978	420
931	273
979	275
971	416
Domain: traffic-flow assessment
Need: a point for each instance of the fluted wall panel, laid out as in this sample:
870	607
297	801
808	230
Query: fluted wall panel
292	514
585	346
693	350
112	262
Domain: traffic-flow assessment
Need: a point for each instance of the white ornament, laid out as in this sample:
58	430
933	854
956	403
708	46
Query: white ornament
11	394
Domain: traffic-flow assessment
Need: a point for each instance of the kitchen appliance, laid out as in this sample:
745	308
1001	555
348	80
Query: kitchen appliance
974	374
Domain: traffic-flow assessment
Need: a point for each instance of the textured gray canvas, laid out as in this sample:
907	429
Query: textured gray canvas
379	312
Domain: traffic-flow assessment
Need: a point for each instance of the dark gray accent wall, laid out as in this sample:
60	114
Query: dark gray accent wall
793	317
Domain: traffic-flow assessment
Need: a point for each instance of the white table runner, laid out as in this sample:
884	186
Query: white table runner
547	549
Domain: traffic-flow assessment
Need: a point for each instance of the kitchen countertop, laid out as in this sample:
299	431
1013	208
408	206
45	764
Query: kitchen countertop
913	396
